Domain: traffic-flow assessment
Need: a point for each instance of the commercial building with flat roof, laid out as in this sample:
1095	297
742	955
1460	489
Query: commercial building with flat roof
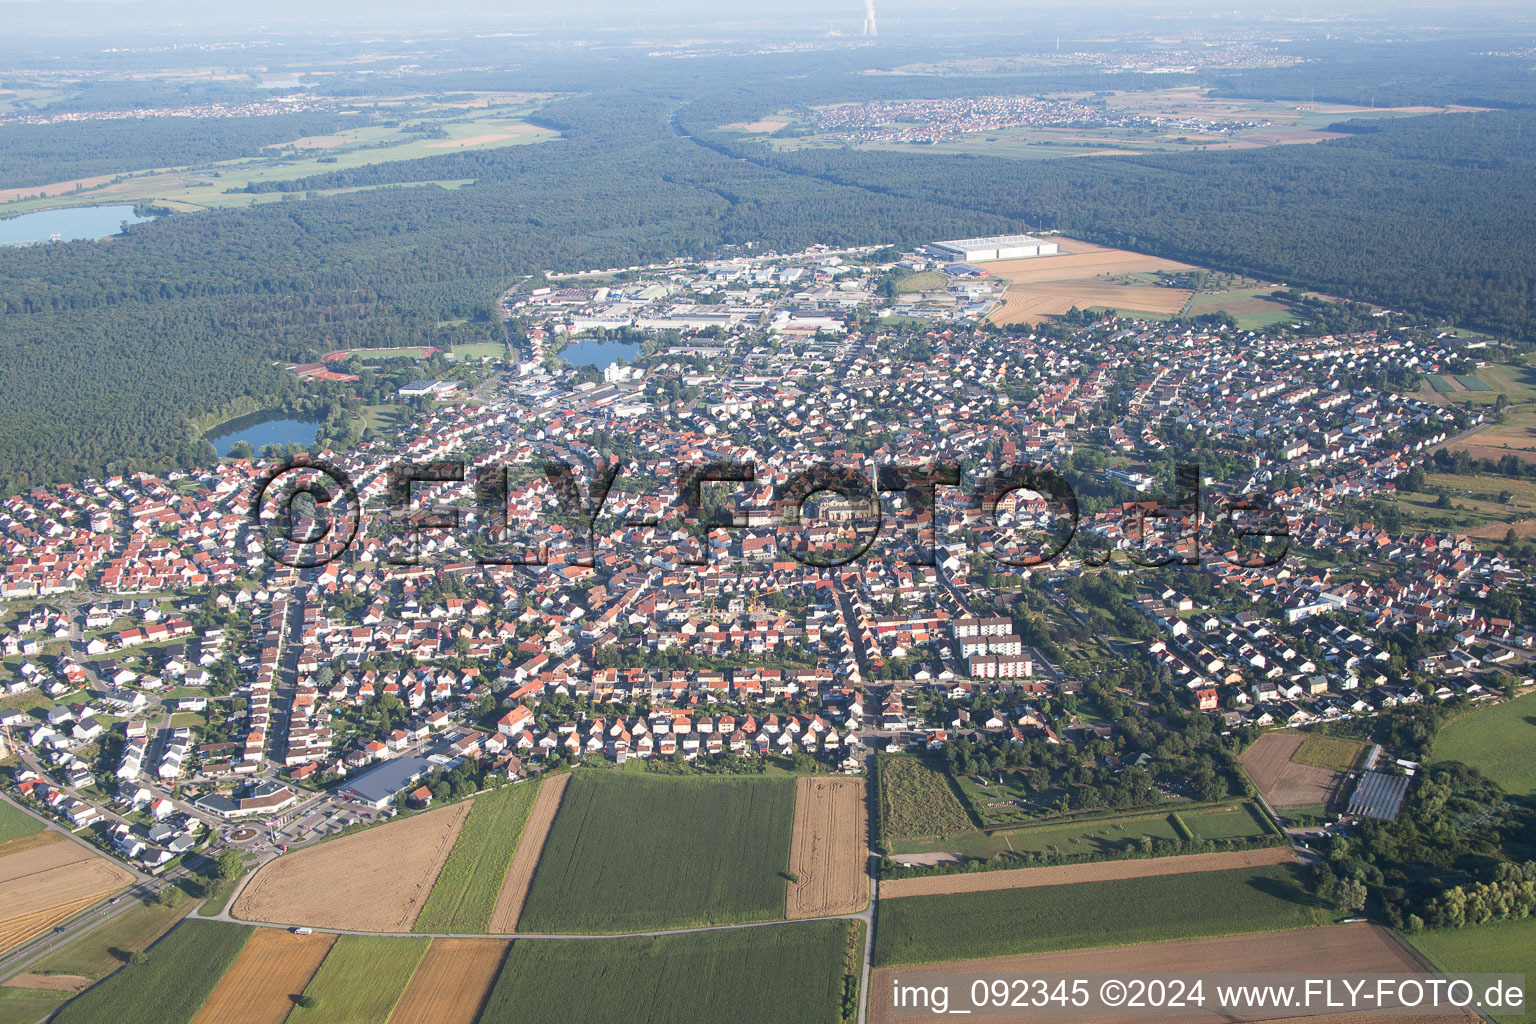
995	247
379	787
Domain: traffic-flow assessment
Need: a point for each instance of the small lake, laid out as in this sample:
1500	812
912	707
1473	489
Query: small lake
599	353
80	223
261	429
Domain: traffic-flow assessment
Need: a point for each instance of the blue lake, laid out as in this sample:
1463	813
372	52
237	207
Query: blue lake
602	354
72	225
261	429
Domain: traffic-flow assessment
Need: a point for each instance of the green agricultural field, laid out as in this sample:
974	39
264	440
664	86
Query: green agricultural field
632	852
15	823
465	892
1499	947
1499	741
1233	821
1331	752
791	972
27	1005
169	987
917	802
924	929
360	980
102	950
1098	836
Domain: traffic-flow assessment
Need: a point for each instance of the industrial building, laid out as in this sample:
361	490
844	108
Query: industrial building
995	247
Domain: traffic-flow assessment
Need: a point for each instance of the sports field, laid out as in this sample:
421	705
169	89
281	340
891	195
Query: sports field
632	852
1497	947
172	983
360	981
465	892
1499	741
773	975
926	929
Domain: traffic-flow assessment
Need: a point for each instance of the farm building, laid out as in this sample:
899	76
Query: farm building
995	247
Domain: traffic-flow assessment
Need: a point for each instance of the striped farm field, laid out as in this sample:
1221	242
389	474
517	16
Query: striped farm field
1093	871
376	880
361	980
452	982
176	978
530	846
1356	949
48	882
465	893
271	970
830	853
631	853
789	973
928	929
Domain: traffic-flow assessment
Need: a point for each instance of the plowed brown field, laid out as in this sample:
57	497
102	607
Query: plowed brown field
43	885
273	967
830	850
450	985
514	888
51	982
1283	782
1050	285
371	881
1345	949
1098	871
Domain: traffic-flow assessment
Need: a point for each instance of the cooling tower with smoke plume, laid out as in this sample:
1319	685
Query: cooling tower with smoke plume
869	18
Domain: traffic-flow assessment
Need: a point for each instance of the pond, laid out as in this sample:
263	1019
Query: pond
260	429
599	353
72	225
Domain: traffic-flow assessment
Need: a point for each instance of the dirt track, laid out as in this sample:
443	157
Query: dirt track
1345	949
371	881
514	888
452	981
1098	871
1283	782
830	849
273	967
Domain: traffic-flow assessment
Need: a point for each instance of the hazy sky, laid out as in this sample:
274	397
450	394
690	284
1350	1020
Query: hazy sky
141	17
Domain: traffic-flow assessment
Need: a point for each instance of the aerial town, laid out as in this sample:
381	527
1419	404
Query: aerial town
177	689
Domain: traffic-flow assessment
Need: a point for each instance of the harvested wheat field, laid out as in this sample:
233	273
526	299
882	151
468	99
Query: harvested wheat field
514	888
1345	949
273	967
51	982
1098	871
830	850
1283	782
452	981
1050	285
370	881
48	883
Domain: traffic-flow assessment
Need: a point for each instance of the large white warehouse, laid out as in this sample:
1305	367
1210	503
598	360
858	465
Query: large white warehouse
996	247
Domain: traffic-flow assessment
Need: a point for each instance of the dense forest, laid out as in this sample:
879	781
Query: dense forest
42	154
107	349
